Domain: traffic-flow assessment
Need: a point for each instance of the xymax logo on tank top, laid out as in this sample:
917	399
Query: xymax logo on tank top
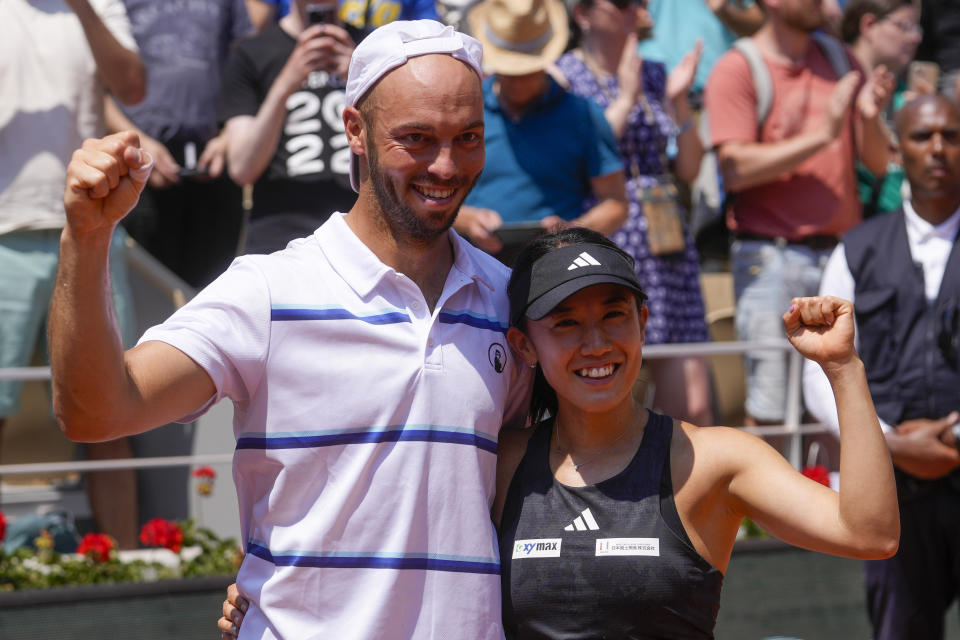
542	548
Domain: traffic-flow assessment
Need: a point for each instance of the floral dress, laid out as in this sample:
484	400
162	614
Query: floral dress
672	282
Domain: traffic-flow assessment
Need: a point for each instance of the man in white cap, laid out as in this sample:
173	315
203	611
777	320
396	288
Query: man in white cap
366	363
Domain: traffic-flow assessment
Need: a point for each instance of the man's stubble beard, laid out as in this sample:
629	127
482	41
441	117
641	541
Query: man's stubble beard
806	20
402	220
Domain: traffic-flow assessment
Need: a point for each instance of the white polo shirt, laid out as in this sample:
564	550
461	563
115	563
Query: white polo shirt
366	436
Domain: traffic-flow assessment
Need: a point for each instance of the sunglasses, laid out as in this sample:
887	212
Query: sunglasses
948	339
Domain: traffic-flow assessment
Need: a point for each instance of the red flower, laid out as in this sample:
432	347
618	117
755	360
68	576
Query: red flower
162	533
205	472
97	546
3	526
817	473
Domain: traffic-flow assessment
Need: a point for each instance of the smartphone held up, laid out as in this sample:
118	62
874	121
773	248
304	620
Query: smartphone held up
321	13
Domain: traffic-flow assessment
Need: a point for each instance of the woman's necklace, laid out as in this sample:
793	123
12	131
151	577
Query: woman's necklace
607	447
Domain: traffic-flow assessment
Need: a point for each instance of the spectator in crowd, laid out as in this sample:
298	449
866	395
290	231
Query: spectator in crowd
882	32
189	216
57	59
940	22
643	106
902	271
791	176
679	24
359	17
363	16
551	156
281	101
366	362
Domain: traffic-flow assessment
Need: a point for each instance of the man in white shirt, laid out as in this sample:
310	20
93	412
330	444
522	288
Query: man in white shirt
902	271
366	363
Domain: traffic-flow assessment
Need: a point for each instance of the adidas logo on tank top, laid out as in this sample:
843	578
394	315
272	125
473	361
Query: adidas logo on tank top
583	522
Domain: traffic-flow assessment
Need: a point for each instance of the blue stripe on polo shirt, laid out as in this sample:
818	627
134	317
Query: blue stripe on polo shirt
394	433
286	313
472	319
366	560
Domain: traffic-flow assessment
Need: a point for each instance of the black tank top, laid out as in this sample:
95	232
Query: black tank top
611	560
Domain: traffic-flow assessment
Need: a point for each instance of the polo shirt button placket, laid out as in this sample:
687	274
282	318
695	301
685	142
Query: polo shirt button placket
433	356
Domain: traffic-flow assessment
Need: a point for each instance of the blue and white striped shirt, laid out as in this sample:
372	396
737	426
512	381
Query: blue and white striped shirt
366	429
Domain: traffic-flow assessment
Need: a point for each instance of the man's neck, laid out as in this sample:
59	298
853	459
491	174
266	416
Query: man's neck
784	43
516	110
935	209
427	263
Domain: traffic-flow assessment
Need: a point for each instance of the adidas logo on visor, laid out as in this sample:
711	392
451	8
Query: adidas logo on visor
583	522
583	260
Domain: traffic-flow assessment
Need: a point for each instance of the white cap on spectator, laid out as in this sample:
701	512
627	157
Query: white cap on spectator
390	46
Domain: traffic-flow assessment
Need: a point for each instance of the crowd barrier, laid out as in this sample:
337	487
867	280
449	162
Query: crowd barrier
176	293
792	426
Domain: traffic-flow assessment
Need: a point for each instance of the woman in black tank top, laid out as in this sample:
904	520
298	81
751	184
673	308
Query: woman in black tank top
618	523
615	522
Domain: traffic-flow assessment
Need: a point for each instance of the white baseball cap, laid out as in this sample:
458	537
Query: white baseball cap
390	46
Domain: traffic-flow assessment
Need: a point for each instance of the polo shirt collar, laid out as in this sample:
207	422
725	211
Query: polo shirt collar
922	231
465	269
363	271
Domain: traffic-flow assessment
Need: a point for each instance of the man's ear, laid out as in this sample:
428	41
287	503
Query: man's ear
521	344
354	127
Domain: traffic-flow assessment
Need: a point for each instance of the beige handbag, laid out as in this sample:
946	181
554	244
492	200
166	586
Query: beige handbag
664	227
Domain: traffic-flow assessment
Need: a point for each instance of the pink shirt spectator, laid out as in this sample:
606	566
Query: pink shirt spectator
820	196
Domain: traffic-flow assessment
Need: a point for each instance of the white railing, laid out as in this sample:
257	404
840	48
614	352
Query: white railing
792	426
178	292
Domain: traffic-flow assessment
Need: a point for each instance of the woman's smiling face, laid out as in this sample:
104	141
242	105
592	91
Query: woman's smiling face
589	347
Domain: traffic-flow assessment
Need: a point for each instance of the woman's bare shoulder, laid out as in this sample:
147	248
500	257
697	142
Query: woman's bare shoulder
511	447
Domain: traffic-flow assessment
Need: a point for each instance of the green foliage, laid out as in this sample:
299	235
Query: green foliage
751	529
218	556
44	568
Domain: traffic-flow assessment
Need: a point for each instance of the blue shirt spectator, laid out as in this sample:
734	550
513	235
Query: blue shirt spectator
541	163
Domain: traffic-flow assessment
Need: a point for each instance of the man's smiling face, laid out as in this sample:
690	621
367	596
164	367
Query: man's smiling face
424	143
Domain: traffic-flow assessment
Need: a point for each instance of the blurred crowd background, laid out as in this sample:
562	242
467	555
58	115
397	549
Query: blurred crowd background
661	123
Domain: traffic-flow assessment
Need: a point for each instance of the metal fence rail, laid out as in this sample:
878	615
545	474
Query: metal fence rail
792	426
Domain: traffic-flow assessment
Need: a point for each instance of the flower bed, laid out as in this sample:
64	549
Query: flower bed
182	550
174	550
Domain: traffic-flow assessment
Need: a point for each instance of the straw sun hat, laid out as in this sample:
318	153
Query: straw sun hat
519	36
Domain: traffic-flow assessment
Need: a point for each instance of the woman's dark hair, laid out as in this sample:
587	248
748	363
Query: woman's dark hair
543	401
855	10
